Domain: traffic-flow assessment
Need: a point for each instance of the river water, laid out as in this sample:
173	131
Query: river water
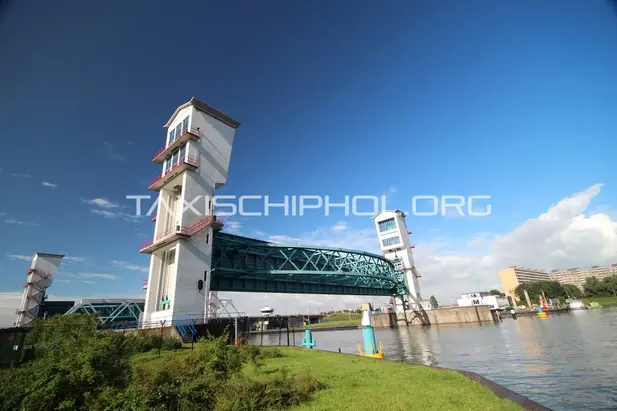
565	362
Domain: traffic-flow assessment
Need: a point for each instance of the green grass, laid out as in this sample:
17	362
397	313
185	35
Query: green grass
355	383
343	317
336	323
601	300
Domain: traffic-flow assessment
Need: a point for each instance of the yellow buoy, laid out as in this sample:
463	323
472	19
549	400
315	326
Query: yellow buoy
379	354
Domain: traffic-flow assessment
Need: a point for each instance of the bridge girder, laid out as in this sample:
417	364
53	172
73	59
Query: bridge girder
247	265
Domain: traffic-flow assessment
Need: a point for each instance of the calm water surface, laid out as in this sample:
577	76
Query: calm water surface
565	362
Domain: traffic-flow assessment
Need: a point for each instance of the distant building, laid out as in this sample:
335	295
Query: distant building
577	276
514	276
496	302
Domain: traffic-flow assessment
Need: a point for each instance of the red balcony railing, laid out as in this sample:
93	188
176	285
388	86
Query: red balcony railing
186	134
183	163
153	217
208	221
163	237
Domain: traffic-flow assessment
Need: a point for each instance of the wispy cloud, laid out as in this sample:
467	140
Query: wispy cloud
82	276
19	175
2	214
19	257
29	258
48	184
19	222
233	227
130	266
124	216
340	226
102	202
76	259
111	153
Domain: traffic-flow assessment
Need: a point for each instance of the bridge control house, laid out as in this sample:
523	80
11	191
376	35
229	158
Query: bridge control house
482	298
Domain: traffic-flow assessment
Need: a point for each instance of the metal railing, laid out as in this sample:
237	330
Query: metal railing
191	161
183	231
184	132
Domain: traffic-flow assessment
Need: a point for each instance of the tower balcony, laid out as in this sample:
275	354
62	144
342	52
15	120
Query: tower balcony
187	163
186	135
163	239
214	222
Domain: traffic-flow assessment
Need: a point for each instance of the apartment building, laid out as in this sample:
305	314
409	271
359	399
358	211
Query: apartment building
577	276
512	277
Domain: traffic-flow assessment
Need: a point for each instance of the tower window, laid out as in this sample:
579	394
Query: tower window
185	124
386	225
391	241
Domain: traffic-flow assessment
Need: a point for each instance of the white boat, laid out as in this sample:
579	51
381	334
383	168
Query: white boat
267	311
576	304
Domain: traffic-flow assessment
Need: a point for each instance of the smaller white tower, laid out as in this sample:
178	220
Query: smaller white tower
396	246
40	277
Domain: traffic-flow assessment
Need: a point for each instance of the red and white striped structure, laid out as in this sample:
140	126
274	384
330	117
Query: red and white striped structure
40	277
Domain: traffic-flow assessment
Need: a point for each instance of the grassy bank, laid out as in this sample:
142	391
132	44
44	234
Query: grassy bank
356	383
338	320
601	300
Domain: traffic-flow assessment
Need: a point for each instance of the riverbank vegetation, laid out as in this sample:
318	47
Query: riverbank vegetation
78	366
593	287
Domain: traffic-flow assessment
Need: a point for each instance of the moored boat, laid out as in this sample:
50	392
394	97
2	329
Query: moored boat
576	304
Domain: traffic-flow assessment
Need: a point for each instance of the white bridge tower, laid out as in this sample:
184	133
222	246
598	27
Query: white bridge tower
40	277
195	161
396	246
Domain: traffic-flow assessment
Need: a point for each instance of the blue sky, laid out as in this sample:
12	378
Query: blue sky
511	99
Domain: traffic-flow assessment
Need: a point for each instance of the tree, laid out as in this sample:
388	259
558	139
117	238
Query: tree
572	291
552	289
497	292
434	302
596	288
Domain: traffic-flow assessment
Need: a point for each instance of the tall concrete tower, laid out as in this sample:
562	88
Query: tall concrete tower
40	277
396	246
195	160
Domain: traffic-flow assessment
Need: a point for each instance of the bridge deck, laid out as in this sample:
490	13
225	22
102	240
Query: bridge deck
248	265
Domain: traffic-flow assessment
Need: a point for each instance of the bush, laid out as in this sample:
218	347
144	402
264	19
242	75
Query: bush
276	393
92	370
171	344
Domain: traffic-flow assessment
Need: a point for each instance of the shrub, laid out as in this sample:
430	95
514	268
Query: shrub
171	344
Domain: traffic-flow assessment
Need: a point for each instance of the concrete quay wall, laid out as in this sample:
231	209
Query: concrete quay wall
448	315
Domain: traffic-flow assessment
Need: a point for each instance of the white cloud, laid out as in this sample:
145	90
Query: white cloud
18	175
19	257
48	184
9	302
392	189
562	237
93	275
340	226
101	202
2	213
19	222
110	152
75	259
233	227
118	214
130	266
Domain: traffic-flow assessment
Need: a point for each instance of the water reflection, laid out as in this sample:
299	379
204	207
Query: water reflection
417	346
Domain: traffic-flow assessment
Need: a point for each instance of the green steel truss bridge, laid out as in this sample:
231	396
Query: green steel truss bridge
242	264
